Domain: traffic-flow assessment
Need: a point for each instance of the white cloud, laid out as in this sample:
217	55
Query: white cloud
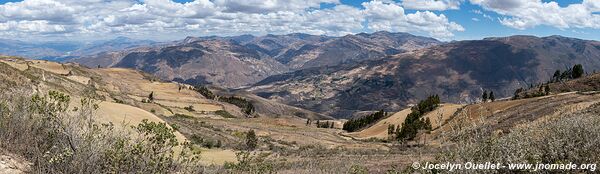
391	17
475	19
165	19
431	4
524	14
266	6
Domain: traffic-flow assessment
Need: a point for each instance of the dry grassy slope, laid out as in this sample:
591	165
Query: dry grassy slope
127	85
379	129
502	116
271	108
113	85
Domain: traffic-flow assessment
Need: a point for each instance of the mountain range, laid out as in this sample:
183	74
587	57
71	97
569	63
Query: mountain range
458	72
66	50
341	76
238	61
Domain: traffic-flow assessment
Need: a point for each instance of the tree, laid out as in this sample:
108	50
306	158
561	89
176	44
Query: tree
251	140
307	121
151	96
547	89
492	97
556	76
359	123
484	96
332	125
391	129
577	71
414	121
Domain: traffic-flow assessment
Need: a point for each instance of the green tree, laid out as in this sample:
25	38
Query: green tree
151	96
492	97
577	71
484	96
414	121
251	140
556	76
547	89
391	129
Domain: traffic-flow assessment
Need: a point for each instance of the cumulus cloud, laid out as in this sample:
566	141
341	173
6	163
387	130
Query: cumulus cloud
391	17
266	6
165	19
431	4
524	14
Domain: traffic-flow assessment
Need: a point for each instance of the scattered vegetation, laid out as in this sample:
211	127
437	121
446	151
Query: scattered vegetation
248	163
189	108
55	140
178	115
251	140
567	139
205	142
326	124
415	121
575	72
572	73
204	91
247	106
363	122
485	96
151	97
224	114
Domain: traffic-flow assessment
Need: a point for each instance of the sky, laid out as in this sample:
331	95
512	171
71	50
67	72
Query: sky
161	20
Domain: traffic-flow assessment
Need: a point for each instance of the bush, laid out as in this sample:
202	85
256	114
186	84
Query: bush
204	91
189	108
55	140
251	140
246	106
205	142
569	138
224	114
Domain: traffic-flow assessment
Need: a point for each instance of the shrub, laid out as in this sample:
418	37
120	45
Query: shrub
204	91
251	140
189	108
567	139
224	114
250	164
55	140
246	106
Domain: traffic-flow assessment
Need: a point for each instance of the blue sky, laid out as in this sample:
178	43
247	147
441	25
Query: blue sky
171	20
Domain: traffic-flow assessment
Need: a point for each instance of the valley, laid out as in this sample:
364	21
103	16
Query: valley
299	87
286	143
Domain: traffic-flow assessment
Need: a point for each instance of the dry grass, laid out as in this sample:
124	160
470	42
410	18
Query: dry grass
379	130
571	138
127	115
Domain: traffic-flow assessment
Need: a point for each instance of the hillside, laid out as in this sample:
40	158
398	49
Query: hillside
458	71
120	95
285	140
237	61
